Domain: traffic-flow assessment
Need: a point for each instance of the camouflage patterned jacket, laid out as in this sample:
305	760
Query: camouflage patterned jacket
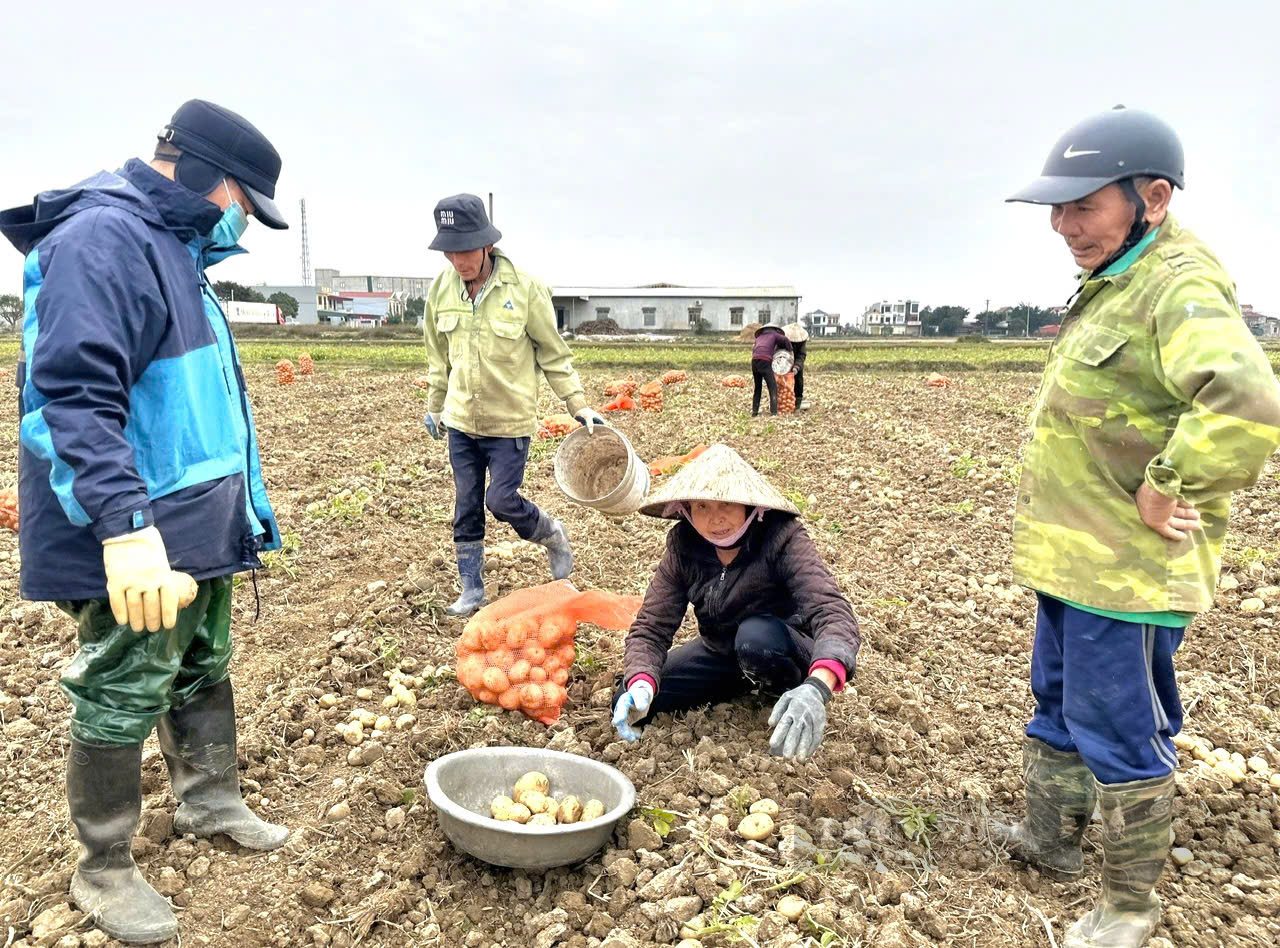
1154	376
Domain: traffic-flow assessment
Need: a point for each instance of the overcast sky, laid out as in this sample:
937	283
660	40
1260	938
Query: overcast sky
858	151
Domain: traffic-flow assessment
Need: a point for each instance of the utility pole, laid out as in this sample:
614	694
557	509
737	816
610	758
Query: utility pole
986	320
1028	306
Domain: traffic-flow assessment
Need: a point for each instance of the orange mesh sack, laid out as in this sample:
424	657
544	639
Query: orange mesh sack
651	396
516	652
305	365
557	426
625	386
9	508
673	376
284	372
733	381
786	393
621	403
669	464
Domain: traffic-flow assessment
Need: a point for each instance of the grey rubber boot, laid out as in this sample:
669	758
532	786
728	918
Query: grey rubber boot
1061	792
552	534
470	556
104	794
198	741
1136	818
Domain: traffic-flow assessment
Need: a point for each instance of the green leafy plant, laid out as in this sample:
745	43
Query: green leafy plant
283	558
917	823
388	647
734	928
347	505
661	820
962	465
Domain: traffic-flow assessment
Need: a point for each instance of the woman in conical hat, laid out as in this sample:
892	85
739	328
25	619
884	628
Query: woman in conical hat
770	615
799	337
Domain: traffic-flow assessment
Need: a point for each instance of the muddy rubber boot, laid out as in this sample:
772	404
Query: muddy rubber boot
1060	797
104	794
1136	818
470	556
552	535
198	741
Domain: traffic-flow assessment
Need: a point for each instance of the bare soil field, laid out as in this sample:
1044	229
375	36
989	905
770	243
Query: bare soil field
908	491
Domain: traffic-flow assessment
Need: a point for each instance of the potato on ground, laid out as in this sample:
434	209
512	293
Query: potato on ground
756	826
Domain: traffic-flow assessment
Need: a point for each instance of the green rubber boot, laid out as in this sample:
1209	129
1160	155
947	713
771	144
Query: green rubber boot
104	794
1060	797
1135	843
198	740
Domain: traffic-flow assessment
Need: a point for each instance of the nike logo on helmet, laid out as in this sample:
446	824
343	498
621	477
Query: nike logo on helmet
1072	153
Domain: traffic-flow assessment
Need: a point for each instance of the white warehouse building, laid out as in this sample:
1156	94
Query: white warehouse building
665	308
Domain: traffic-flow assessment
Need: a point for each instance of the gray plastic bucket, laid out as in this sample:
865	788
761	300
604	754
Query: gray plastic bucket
601	471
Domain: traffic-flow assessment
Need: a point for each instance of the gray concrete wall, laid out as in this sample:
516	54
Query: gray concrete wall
305	295
672	313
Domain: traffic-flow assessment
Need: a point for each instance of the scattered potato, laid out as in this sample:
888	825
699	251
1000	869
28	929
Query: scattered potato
593	810
720	820
382	724
756	826
766	806
791	907
500	807
532	781
570	810
519	813
543	819
536	802
329	701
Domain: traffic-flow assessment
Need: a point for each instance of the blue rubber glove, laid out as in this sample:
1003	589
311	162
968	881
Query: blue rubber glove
432	421
631	707
800	716
590	417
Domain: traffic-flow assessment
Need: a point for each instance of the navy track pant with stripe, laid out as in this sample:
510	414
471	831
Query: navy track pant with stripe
1105	688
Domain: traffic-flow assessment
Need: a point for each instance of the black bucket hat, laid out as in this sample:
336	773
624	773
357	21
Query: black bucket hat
1103	149
462	225
216	142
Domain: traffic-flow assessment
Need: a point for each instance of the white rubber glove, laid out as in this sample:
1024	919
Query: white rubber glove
631	707
142	588
590	417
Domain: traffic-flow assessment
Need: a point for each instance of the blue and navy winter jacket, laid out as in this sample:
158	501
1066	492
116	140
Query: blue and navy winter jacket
132	400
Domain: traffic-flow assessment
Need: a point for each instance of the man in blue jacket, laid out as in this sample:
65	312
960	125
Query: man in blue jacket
138	459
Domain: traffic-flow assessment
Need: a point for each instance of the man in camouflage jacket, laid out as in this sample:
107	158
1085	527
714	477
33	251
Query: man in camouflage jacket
1156	404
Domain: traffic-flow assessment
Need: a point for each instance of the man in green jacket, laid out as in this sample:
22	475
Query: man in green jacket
1156	404
490	330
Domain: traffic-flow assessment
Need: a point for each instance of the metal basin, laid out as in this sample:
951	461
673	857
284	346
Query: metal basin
462	785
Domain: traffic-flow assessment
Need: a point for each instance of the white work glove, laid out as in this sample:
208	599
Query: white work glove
432	421
590	417
631	707
143	590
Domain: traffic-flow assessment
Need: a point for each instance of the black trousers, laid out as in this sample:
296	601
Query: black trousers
503	459
799	383
762	372
766	655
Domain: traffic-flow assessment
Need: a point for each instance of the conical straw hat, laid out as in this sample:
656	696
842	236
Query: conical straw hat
796	333
719	473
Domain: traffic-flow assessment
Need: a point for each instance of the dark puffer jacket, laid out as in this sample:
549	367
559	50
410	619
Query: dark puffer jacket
777	572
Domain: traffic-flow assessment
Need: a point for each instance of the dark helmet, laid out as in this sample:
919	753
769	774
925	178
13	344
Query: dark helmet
1104	148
